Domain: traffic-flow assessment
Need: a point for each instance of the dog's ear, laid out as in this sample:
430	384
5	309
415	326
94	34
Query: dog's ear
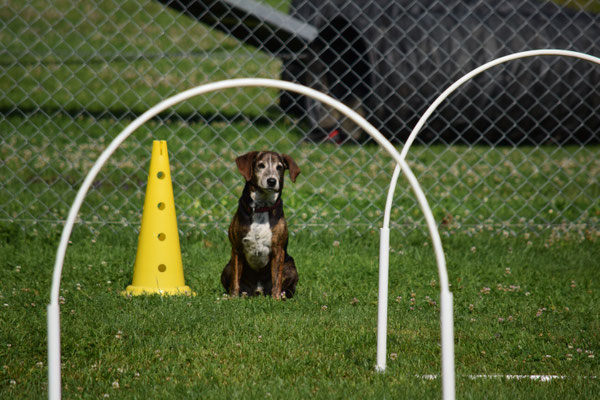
291	166
244	164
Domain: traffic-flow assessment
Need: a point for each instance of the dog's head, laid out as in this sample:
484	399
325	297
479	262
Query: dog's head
264	169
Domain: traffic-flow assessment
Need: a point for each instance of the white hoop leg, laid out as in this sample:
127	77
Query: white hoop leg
445	295
54	388
54	313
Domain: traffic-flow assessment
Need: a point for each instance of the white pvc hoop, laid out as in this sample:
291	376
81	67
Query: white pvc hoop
54	361
384	251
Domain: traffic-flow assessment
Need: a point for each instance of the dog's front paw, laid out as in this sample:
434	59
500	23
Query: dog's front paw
280	296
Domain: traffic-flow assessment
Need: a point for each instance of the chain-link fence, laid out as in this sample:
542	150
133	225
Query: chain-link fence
515	149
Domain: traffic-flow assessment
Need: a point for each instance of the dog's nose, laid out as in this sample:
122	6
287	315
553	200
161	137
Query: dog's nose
271	182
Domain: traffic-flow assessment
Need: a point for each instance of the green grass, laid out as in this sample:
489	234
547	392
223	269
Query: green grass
513	188
523	305
73	59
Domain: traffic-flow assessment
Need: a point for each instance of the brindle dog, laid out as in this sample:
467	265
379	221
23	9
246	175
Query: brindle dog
258	234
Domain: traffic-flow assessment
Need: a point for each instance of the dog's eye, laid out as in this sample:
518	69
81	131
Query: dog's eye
261	165
279	167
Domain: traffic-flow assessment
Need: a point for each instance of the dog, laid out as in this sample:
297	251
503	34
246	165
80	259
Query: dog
260	263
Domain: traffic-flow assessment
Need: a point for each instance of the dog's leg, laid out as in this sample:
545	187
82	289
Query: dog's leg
277	273
234	289
290	277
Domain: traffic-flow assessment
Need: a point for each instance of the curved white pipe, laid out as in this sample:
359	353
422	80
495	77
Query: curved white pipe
54	388
445	295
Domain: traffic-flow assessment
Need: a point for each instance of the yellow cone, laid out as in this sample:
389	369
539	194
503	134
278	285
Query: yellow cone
158	268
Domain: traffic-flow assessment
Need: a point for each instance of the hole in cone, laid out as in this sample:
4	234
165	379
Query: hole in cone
162	236
160	175
162	267
161	206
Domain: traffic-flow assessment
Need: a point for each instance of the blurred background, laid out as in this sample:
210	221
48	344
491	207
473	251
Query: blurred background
516	149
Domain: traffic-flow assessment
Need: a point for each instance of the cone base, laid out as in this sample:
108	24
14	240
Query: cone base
146	290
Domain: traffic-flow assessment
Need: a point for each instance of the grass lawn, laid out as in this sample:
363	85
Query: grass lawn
523	305
340	186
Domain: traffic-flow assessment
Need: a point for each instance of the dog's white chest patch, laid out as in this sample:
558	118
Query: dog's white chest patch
257	243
